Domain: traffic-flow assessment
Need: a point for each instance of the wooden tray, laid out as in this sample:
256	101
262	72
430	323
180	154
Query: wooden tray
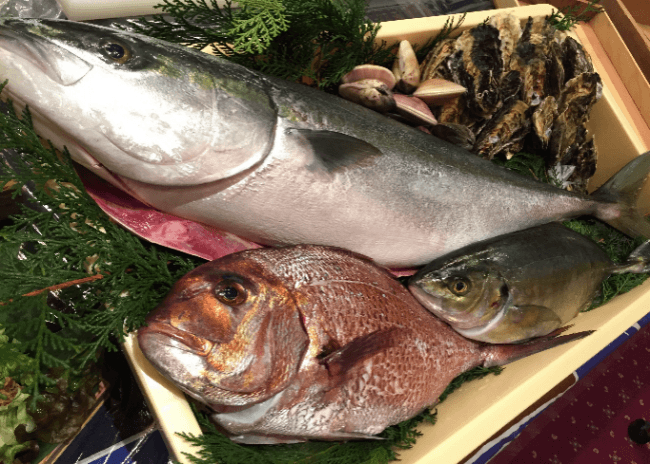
480	408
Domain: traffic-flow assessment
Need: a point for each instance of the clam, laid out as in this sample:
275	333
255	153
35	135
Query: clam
406	68
414	110
370	71
436	91
371	93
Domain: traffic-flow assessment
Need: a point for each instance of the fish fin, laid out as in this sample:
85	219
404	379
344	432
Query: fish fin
334	151
637	263
623	188
249	439
536	320
358	350
498	355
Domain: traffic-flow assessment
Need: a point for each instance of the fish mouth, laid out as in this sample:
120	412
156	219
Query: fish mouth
434	305
199	346
59	64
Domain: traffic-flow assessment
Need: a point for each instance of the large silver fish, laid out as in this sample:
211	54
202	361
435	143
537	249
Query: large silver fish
306	342
272	161
520	285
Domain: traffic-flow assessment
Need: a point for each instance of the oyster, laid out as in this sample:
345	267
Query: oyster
539	102
505	131
477	65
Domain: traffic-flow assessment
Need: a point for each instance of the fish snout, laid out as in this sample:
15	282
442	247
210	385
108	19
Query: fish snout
200	346
438	304
19	42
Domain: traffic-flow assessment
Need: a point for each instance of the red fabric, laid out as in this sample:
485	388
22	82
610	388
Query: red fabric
588	424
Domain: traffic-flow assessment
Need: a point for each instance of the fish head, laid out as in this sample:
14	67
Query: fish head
129	105
466	293
229	336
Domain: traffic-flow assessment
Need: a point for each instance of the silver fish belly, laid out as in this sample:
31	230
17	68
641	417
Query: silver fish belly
269	160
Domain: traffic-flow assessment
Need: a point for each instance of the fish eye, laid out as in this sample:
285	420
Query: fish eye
230	292
115	51
459	286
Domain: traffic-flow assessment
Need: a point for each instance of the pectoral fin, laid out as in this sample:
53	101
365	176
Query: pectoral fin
533	320
358	350
334	151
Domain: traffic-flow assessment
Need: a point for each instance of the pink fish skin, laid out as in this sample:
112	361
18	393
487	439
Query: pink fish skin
308	342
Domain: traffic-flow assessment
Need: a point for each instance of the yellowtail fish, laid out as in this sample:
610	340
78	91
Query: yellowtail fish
521	285
273	161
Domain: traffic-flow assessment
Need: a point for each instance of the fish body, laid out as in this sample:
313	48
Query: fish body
518	286
269	160
307	342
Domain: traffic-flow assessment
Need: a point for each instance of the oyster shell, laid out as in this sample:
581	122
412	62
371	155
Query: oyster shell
505	131
434	65
477	65
458	134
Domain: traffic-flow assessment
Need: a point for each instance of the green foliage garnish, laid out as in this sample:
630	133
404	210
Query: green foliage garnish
57	247
311	41
571	15
526	164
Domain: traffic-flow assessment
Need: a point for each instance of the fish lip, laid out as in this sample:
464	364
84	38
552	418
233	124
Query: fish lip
200	346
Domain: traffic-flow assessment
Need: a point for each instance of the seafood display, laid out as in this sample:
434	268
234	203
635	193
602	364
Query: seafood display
521	285
499	88
272	161
308	342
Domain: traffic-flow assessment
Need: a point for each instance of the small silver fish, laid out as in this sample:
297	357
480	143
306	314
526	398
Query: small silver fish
308	342
521	285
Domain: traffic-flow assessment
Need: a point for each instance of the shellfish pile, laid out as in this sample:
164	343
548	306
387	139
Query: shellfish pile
527	88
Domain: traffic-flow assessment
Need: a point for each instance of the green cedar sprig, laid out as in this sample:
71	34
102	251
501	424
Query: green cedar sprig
43	249
311	41
567	17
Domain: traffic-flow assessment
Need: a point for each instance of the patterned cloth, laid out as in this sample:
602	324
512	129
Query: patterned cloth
588	424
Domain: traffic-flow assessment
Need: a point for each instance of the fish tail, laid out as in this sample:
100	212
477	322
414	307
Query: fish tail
618	196
498	355
638	262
